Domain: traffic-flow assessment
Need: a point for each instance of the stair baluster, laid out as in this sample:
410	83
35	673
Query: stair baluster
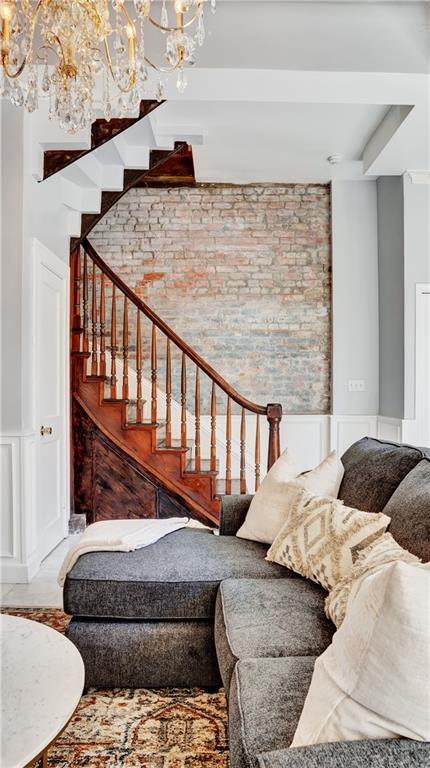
113	345
257	453
242	452
228	448
85	344
102	326
154	374
76	316
184	402
168	395
213	428
94	352
125	350
197	447
139	403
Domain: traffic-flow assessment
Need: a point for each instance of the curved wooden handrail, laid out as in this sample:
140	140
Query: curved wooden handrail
182	345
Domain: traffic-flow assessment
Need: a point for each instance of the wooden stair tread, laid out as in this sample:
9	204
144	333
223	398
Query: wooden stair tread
205	467
221	484
174	443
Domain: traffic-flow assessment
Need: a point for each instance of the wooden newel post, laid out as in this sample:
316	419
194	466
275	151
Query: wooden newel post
274	416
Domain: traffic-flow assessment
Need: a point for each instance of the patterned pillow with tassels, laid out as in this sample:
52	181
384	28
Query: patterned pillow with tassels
321	537
380	553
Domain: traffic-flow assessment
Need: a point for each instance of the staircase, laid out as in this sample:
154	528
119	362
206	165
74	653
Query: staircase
156	431
82	179
132	457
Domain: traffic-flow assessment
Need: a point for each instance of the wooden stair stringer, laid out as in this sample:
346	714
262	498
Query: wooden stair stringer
166	465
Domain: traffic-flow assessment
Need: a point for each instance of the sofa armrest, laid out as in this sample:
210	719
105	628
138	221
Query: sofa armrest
233	513
378	753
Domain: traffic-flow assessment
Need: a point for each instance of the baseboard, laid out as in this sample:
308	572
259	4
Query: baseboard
19	573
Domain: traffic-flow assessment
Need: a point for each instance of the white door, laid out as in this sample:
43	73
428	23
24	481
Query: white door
422	414
51	400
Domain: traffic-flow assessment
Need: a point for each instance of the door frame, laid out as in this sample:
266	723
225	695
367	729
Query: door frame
43	257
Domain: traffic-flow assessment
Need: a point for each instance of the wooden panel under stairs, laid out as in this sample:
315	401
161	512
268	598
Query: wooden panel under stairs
110	484
102	131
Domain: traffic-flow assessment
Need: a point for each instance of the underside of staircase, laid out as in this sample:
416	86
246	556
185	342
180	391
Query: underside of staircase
137	451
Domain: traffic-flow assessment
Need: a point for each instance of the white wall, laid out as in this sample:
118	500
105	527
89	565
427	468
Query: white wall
355	297
11	265
28	211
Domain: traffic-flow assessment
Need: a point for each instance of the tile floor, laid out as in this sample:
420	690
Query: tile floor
43	591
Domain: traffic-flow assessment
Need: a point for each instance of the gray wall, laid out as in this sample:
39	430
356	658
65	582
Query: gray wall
417	270
355	296
391	296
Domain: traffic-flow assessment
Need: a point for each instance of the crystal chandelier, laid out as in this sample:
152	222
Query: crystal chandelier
62	49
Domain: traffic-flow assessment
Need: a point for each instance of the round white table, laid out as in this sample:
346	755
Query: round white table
42	676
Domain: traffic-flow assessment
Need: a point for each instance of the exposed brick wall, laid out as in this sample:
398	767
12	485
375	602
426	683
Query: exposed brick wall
242	273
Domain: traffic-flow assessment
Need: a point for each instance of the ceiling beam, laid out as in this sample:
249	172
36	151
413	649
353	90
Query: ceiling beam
383	134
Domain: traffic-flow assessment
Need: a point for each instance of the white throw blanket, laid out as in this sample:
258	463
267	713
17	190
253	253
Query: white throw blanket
122	536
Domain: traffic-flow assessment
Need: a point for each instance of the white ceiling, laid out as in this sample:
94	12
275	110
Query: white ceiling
279	85
277	142
308	35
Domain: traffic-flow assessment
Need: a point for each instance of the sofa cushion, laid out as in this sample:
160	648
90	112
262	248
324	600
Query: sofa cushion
175	578
265	703
379	753
269	618
373	470
146	654
409	509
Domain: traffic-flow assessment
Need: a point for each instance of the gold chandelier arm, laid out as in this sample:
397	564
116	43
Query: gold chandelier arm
132	79
5	65
5	56
165	70
175	29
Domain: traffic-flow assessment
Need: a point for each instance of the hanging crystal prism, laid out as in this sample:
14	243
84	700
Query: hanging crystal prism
164	20
181	82
200	36
159	93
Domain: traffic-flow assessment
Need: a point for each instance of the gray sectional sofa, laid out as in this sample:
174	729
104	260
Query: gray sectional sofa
196	609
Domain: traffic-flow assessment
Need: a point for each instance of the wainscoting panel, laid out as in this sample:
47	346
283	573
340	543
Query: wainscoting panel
345	430
18	556
389	429
307	437
8	498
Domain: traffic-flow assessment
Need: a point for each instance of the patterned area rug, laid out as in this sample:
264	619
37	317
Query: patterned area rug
163	728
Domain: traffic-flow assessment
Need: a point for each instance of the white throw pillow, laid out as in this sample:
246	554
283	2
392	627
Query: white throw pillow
321	538
269	507
373	681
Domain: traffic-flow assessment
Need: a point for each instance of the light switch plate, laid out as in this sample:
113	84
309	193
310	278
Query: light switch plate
356	385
